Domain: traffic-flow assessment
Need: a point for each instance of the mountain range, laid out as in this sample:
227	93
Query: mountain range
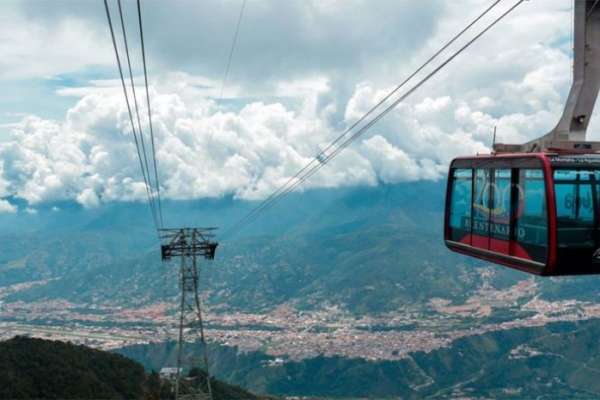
368	250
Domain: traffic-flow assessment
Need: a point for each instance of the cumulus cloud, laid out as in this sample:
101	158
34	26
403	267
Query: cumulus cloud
6	207
41	48
392	164
288	97
91	156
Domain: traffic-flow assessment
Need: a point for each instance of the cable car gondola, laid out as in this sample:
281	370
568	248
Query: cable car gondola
536	207
536	212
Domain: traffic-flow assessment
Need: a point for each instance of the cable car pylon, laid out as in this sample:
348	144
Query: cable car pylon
190	244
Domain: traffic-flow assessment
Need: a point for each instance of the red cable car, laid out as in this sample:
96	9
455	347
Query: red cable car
536	212
536	207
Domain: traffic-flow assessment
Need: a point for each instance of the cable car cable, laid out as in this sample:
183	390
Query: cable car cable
129	110
322	159
321	155
403	97
160	214
235	35
233	43
135	102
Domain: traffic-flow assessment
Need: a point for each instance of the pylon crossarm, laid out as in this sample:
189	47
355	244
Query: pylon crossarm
187	241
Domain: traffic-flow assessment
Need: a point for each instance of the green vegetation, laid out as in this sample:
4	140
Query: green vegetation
43	369
36	368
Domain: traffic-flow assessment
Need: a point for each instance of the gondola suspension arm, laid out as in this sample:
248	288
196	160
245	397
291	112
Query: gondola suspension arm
569	135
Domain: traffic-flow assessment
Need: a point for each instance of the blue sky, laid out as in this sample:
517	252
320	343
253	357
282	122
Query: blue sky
302	72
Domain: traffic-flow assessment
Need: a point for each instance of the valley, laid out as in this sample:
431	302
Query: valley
352	296
288	334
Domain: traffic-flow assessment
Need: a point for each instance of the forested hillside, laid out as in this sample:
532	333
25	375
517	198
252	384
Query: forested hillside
43	369
36	368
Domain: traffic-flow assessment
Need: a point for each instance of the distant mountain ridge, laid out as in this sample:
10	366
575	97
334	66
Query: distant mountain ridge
369	249
292	212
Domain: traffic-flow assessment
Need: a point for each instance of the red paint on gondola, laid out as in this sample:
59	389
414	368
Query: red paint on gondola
504	209
552	221
496	245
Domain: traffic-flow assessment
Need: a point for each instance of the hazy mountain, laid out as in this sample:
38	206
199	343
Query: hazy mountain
369	249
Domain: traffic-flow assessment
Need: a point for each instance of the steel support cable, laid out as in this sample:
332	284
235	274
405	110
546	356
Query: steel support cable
235	35
160	214
282	192
154	216
147	178
226	75
322	153
233	43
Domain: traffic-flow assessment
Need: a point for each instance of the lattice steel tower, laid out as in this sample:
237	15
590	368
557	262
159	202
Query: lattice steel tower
190	244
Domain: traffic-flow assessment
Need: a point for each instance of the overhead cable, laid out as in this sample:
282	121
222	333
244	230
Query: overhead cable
323	158
150	199
160	214
235	35
231	51
318	159
591	9
135	102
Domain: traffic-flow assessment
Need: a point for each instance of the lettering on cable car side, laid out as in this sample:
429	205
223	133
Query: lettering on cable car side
487	227
569	160
585	201
596	256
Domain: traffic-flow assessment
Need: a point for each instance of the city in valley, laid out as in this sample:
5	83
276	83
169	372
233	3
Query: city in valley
288	334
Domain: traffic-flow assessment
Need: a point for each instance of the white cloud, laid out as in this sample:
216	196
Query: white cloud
392	164
6	207
42	48
296	83
88	198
